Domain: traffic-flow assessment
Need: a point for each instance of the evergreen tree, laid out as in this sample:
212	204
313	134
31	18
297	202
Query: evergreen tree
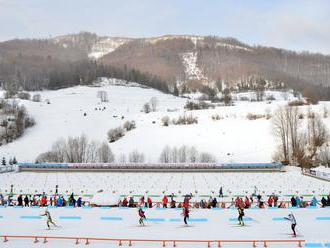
10	161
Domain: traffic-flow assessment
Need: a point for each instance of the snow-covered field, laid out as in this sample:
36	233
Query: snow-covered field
282	183
231	139
204	224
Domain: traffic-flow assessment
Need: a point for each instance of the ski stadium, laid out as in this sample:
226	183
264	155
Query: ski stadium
102	188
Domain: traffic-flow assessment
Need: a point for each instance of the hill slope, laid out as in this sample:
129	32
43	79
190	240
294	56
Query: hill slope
178	59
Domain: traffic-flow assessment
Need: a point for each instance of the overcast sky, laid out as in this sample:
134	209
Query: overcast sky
292	24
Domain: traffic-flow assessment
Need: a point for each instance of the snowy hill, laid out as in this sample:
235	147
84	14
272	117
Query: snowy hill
233	138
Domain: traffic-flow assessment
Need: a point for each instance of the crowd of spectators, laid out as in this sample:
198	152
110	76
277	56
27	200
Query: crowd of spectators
41	200
169	201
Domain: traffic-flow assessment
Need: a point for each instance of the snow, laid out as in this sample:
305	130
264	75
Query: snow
105	46
222	44
104	199
192	71
217	226
232	139
322	169
291	182
277	95
193	38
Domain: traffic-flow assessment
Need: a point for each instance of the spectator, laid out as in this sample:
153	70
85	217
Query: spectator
220	192
141	203
214	202
247	202
131	202
314	202
293	202
298	201
149	202
270	201
165	201
323	202
79	202
173	203
20	200
43	201
59	202
275	200
259	198
26	201
125	202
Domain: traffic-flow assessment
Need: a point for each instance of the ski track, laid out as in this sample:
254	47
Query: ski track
217	226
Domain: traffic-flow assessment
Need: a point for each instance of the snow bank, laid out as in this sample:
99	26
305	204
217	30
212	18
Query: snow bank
104	199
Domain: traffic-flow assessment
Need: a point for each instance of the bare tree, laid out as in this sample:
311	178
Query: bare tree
205	157
136	157
78	150
146	108
103	95
115	134
317	134
183	154
154	104
281	131
122	158
165	121
227	96
165	156
324	155
175	155
105	153
129	125
92	153
300	146
193	155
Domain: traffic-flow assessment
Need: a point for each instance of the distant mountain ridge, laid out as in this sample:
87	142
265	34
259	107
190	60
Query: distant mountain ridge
189	60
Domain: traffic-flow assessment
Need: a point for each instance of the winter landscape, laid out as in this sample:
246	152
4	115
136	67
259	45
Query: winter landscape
167	124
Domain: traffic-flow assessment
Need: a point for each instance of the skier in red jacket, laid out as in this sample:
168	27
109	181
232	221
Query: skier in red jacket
185	214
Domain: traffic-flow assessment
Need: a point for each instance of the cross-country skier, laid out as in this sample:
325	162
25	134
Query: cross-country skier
185	214
293	221
240	210
49	219
142	216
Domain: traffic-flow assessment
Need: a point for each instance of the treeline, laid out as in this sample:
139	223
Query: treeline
60	74
82	150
